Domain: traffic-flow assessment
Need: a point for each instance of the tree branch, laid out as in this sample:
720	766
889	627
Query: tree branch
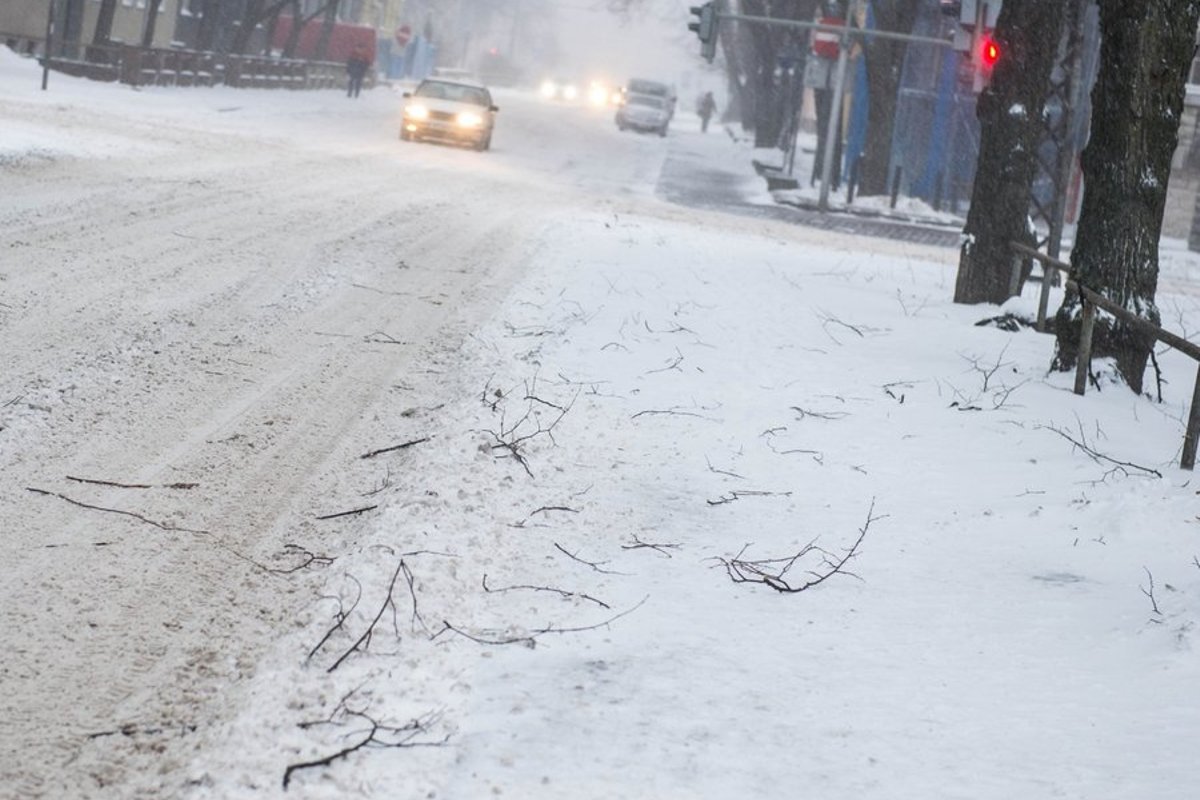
773	572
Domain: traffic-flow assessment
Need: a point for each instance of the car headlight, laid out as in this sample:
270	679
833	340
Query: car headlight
549	89
469	119
570	92
416	112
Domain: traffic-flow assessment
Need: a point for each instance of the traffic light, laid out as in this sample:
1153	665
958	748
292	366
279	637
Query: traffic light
973	37
989	53
705	27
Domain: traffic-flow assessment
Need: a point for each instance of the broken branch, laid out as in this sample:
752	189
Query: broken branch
773	572
531	639
160	525
394	447
365	639
348	513
560	592
596	565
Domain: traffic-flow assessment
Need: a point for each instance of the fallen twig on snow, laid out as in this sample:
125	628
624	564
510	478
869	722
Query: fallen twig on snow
379	337
1150	592
530	640
339	618
1081	443
131	729
160	525
773	572
394	447
348	513
412	590
738	495
711	468
830	415
596	565
308	559
659	547
513	438
132	485
544	509
673	364
560	592
379	735
671	412
364	641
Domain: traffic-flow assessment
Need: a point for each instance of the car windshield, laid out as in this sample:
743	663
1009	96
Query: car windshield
460	93
645	100
648	87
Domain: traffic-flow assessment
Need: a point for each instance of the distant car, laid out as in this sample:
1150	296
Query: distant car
602	94
449	111
455	74
559	89
655	88
644	112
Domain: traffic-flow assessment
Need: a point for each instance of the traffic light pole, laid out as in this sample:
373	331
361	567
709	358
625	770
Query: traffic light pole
835	118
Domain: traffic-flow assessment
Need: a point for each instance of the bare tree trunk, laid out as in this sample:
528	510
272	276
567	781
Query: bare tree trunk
207	32
327	30
151	23
104	22
1137	104
293	38
766	108
249	21
885	61
1009	109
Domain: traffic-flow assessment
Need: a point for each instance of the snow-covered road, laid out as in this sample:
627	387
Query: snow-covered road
225	306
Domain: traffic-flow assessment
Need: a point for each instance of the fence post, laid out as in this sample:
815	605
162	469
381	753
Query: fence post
1014	281
1048	274
896	185
1083	360
1188	461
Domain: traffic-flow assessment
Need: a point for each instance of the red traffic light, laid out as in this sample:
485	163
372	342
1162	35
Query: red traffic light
989	53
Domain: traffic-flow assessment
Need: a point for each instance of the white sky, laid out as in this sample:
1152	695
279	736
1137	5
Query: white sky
651	42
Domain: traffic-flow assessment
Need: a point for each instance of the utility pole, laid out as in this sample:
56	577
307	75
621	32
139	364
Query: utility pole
835	117
516	24
47	47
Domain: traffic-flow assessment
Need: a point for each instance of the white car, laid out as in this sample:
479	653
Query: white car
644	112
449	111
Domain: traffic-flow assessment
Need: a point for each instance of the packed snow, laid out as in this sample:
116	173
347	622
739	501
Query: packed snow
437	469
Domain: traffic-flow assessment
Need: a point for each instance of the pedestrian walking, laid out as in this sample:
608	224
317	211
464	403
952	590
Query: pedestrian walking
356	69
706	108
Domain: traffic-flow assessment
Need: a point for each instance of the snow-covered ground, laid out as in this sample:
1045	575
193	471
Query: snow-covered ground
563	412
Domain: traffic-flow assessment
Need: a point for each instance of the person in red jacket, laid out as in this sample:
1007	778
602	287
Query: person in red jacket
356	69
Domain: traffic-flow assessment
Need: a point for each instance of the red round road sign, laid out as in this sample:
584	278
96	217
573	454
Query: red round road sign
825	43
403	34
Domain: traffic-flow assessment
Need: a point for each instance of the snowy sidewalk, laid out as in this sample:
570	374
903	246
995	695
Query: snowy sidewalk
730	393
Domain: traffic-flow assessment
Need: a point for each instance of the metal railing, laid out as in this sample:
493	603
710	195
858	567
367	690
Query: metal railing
149	66
1089	302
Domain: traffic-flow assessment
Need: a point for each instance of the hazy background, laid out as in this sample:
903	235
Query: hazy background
579	40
